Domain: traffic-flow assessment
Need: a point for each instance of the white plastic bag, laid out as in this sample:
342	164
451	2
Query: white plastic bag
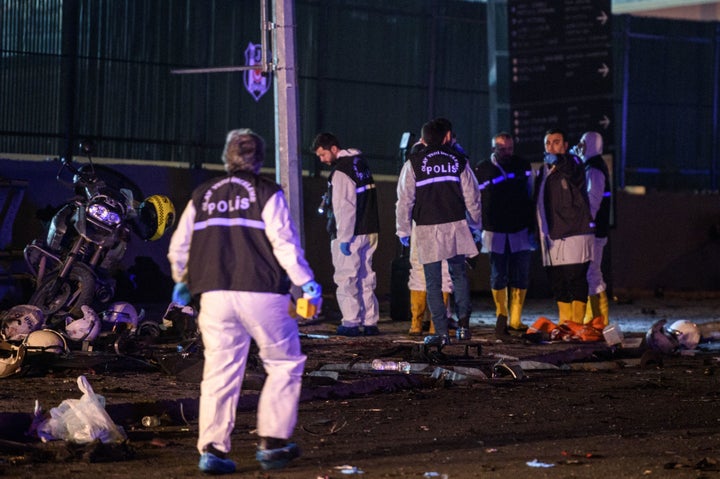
81	420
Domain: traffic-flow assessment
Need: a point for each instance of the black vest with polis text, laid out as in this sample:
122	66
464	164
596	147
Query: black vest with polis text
507	204
229	249
367	220
438	192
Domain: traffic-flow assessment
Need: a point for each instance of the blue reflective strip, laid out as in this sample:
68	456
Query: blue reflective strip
438	179
498	179
607	194
229	222
364	188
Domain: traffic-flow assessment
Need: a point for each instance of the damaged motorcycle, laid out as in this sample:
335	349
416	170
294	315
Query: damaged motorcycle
88	236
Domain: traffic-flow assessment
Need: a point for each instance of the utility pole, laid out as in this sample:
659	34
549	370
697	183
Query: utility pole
288	162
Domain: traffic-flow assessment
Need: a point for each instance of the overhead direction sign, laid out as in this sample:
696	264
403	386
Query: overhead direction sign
561	69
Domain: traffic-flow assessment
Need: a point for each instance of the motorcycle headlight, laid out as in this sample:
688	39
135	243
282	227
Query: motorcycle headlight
104	214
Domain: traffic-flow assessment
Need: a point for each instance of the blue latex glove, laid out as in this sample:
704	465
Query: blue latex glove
405	240
550	158
476	234
312	288
181	294
345	248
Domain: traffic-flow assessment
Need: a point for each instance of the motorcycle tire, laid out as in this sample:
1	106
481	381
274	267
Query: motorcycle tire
68	296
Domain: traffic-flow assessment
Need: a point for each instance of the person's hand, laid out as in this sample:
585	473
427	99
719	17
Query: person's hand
312	288
345	248
405	241
181	294
532	239
550	158
476	234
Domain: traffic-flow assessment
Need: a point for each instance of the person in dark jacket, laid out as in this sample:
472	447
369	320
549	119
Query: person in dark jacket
508	221
565	226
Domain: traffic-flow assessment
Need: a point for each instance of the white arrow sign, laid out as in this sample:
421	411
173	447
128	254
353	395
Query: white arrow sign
605	122
603	18
604	70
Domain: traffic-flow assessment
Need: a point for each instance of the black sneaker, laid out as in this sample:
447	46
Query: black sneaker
437	340
463	334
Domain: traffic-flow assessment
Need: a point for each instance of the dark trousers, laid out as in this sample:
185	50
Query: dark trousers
569	282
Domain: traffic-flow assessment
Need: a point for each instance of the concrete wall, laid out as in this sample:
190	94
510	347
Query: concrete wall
660	240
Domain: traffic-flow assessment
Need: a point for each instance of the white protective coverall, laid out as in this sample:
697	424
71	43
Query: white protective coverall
416	282
354	276
596	191
229	320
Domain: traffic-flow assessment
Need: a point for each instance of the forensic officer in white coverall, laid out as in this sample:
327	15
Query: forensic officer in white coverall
590	148
353	224
237	248
439	193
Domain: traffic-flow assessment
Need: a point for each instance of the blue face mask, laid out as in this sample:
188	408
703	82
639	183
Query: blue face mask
550	158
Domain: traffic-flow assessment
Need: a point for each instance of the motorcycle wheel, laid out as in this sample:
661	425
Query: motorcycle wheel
66	297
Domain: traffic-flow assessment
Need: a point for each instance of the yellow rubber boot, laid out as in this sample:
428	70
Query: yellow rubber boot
417	312
500	297
564	312
578	311
592	310
604	307
517	299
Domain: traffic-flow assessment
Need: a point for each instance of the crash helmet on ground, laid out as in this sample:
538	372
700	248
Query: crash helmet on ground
45	341
156	215
11	358
686	332
86	328
121	314
21	320
659	339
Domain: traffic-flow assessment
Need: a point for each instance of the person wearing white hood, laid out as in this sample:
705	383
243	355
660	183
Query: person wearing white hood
353	225
590	148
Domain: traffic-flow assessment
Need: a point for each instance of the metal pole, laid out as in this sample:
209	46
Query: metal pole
716	114
287	156
625	95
